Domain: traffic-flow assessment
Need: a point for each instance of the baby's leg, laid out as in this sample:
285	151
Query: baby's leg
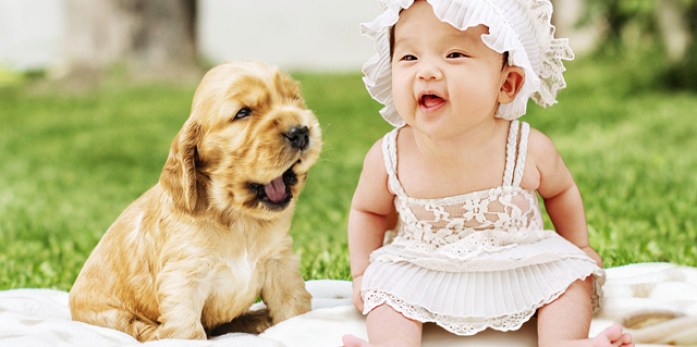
565	322
387	327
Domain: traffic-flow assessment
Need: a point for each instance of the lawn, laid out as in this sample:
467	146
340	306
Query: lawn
72	161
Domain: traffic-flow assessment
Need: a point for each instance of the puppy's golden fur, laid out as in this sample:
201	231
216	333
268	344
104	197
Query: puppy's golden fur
198	248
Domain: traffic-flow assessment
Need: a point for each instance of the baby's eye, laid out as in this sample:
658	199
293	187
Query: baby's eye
456	55
408	57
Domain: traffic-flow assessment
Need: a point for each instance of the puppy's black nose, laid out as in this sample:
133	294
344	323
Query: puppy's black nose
298	136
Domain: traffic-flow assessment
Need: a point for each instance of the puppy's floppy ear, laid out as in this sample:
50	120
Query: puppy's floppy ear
179	176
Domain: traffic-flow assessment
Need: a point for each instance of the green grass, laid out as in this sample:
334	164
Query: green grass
71	162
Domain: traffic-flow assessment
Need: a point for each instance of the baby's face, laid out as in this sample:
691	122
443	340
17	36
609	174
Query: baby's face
443	79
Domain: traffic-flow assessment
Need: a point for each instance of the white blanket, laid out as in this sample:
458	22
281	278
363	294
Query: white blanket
657	300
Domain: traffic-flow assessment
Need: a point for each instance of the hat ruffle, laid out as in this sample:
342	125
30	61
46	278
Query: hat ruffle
520	27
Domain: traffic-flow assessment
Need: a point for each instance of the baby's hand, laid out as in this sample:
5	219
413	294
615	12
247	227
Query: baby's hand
593	255
357	299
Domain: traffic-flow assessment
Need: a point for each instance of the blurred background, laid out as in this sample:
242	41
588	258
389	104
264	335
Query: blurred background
60	37
93	91
63	36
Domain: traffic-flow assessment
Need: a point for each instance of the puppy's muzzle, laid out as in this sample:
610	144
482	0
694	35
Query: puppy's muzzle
276	195
299	137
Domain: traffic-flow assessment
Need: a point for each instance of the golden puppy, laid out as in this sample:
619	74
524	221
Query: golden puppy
198	248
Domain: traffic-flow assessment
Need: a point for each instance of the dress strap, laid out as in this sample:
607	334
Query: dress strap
511	145
522	152
389	153
516	151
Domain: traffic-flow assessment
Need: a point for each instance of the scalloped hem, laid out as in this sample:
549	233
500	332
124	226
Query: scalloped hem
468	326
452	324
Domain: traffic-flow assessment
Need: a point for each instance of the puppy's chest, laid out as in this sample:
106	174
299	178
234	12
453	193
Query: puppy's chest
236	276
234	286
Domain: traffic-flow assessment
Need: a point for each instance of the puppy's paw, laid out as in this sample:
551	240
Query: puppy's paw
252	322
144	331
192	331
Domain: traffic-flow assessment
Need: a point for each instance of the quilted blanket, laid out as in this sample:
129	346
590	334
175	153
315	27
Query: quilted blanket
657	302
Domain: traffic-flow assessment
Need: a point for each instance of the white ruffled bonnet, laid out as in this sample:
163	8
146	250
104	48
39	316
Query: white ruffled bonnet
520	27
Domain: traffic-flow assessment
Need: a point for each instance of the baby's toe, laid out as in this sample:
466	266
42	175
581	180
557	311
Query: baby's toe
352	341
614	333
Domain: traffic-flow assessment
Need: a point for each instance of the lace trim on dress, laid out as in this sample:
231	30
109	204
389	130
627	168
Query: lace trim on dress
466	225
467	326
457	325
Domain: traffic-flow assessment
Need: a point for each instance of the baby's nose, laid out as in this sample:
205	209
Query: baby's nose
430	72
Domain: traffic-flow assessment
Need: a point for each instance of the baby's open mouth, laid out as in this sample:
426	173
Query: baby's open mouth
276	194
430	101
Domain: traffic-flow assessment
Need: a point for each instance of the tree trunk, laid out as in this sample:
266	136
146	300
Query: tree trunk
566	18
686	71
673	29
145	36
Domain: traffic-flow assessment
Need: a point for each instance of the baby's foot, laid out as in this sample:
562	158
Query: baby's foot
352	341
614	336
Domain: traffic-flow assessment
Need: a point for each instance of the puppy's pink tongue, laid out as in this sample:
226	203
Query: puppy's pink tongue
276	190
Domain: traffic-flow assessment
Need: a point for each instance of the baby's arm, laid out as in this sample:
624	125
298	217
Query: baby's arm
560	194
371	215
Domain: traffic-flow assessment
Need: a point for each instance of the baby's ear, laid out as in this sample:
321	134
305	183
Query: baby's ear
512	80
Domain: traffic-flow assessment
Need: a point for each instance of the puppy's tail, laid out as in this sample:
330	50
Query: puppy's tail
252	322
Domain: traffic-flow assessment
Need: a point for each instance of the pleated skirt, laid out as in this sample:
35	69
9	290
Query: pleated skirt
499	290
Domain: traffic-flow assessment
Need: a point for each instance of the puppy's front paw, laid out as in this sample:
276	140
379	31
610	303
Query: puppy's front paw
297	304
193	331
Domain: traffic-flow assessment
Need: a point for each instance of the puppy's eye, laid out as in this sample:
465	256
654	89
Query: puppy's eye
244	112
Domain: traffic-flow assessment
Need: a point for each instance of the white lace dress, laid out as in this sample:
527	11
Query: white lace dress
473	261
